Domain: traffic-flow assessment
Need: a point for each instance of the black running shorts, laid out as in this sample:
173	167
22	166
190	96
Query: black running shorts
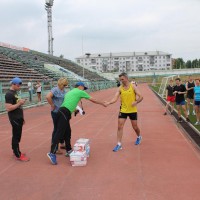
132	116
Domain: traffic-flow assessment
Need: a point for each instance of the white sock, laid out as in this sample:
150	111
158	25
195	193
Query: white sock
119	143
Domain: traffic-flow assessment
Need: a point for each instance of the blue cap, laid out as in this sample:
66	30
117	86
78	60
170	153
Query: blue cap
16	80
81	84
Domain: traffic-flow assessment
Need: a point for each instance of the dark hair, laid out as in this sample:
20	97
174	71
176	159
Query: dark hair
177	79
123	74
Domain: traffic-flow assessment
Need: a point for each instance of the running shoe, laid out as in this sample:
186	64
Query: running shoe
117	148
21	154
188	120
52	158
197	123
193	113
138	140
165	113
180	120
68	153
23	158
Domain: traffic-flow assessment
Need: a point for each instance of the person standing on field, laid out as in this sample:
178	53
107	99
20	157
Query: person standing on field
55	99
197	100
130	96
13	105
190	95
30	90
68	106
170	97
179	92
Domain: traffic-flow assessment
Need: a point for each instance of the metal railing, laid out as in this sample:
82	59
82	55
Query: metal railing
46	87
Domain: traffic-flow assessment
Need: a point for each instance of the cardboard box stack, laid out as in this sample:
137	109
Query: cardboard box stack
81	152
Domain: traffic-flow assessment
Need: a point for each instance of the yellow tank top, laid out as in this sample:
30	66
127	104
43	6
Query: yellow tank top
127	98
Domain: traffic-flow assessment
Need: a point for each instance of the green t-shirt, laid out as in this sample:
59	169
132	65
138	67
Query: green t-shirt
73	97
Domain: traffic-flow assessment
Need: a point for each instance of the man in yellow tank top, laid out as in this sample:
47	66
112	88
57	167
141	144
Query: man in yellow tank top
130	97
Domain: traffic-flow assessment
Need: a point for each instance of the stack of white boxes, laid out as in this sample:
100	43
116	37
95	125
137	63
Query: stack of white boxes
81	152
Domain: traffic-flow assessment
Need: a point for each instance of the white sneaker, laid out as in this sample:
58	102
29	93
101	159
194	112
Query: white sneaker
197	123
193	113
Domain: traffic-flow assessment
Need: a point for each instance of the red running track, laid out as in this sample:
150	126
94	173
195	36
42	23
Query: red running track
166	166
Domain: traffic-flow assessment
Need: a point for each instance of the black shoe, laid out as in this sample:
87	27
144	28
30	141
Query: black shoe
180	120
165	113
188	120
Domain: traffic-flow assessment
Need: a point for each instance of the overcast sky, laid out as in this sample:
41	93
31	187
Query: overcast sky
103	26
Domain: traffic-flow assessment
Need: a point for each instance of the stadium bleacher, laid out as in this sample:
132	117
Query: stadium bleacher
35	61
10	68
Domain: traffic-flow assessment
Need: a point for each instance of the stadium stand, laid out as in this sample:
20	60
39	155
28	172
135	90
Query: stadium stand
10	68
35	60
69	65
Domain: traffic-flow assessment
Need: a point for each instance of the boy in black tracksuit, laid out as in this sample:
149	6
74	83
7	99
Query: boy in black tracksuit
15	113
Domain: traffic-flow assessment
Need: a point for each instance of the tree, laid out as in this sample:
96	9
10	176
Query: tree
188	64
179	63
195	63
61	56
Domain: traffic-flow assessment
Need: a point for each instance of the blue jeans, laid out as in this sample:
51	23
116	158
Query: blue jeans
30	95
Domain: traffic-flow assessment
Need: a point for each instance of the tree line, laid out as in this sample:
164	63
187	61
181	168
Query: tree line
179	63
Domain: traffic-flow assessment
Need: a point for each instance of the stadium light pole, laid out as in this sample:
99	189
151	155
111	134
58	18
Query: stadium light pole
82	53
48	8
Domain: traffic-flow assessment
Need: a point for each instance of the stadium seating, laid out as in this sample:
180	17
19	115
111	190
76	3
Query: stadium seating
35	61
10	68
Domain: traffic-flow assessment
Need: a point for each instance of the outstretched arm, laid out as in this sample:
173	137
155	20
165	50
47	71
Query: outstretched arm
93	100
115	98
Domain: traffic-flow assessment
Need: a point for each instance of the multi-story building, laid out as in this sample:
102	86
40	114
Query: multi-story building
127	62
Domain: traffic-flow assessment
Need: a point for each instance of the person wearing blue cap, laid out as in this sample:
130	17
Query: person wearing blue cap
13	105
68	106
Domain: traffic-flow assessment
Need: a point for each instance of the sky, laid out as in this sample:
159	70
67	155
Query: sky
104	26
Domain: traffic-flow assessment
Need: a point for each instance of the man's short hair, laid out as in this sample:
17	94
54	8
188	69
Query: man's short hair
123	74
177	79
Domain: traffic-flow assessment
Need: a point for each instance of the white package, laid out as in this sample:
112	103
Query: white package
79	163
78	156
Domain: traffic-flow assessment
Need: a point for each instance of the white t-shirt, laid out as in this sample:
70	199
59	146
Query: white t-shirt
30	86
39	88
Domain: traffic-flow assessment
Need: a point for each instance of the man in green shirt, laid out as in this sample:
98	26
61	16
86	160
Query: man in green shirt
64	115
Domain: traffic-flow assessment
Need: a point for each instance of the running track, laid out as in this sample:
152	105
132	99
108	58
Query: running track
166	166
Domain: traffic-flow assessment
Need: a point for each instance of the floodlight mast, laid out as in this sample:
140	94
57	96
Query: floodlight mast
48	8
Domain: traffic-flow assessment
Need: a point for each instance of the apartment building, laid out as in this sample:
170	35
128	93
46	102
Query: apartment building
127	61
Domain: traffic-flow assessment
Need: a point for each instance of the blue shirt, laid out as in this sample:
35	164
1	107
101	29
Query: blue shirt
58	97
197	93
